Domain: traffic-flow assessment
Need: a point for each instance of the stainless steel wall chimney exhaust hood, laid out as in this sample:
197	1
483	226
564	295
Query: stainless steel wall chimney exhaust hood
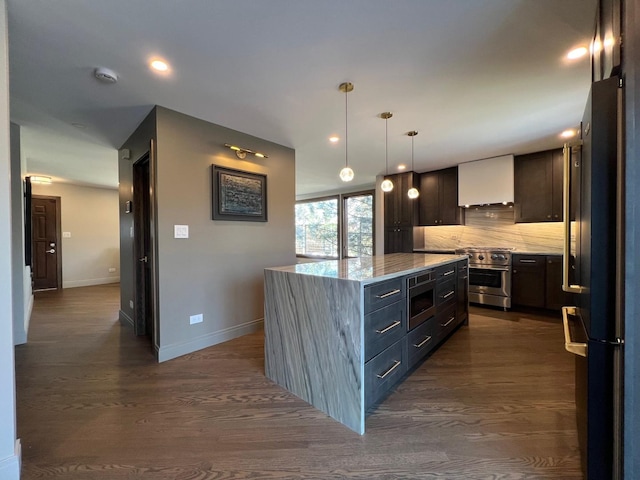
486	181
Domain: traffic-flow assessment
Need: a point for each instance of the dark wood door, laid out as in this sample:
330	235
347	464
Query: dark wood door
398	240
391	203
556	298
450	212
557	167
429	200
143	311
45	228
533	187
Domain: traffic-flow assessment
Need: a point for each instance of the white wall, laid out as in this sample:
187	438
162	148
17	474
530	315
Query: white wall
9	446
90	215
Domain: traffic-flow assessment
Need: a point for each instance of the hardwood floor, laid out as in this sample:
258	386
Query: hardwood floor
494	402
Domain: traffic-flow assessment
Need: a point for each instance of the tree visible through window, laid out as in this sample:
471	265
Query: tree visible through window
317	228
359	225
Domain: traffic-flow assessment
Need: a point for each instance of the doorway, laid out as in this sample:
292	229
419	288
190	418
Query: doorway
45	243
143	248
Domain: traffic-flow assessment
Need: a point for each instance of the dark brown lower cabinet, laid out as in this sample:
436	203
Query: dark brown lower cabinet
537	282
398	240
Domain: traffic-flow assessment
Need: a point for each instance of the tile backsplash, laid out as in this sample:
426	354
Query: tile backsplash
493	226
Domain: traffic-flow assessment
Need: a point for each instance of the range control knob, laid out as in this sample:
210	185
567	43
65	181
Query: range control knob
480	257
494	256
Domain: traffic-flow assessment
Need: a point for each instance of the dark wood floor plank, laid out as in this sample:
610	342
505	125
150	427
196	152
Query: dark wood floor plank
494	402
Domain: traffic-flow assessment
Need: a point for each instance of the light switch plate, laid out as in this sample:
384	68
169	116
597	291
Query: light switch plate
66	234
181	231
195	319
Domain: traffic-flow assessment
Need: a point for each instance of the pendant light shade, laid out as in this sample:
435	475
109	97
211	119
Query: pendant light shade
346	174
413	192
386	185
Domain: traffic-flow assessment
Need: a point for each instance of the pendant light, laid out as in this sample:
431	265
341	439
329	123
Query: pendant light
413	191
386	185
346	174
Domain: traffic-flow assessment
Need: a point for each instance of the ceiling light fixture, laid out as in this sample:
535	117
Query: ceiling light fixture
241	152
159	65
386	185
577	53
42	180
105	75
346	174
568	133
413	191
402	166
334	139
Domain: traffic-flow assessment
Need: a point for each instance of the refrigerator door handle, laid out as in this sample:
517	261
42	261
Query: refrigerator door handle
566	220
576	348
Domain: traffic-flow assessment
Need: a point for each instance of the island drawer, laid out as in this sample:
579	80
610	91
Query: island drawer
383	371
384	327
446	272
445	293
446	322
377	295
421	341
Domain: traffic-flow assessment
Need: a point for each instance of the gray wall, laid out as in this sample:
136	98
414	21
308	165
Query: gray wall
90	215
9	446
218	270
21	274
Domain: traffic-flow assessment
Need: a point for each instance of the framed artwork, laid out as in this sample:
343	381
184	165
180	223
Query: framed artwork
238	195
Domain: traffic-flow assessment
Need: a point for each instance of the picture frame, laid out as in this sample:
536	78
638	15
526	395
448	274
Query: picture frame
238	195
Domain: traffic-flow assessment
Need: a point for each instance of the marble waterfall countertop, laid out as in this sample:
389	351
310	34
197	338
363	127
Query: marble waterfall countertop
372	269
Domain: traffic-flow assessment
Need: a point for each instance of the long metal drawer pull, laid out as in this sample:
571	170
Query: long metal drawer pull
448	322
449	294
569	345
388	294
419	345
395	365
393	325
524	260
566	220
448	273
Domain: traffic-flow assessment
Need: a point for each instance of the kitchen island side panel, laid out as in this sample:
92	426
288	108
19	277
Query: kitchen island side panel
314	342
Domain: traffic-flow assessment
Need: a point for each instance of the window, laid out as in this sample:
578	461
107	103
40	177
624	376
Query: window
317	228
335	227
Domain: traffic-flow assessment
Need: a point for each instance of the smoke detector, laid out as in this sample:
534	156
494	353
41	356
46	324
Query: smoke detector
105	75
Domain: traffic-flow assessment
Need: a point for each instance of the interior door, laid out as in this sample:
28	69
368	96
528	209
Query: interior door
143	311
45	228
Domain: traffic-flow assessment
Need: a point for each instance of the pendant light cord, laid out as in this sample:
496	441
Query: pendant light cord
386	146
346	129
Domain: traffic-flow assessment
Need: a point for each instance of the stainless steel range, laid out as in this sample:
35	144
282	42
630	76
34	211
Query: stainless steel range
489	275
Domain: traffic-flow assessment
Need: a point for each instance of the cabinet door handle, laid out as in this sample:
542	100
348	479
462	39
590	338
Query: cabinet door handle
396	364
386	329
388	294
448	322
524	260
449	294
448	273
423	342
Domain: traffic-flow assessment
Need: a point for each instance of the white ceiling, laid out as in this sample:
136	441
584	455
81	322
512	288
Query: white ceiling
476	78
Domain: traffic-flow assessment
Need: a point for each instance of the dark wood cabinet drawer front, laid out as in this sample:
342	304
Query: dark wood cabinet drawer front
421	341
384	327
445	293
378	295
463	269
530	261
446	272
446	322
383	371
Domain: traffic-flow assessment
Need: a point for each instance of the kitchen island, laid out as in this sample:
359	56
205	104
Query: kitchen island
341	333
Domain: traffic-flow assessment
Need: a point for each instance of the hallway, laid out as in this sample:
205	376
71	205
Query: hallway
495	402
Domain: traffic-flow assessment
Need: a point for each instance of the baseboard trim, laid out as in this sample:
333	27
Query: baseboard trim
10	466
125	319
90	282
169	352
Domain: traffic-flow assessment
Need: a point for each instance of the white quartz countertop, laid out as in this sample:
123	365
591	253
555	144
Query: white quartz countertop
372	269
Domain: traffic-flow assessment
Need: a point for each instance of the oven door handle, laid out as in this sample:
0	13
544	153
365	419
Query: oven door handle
498	269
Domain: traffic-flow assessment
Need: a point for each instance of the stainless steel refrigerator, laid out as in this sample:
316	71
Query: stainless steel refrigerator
591	265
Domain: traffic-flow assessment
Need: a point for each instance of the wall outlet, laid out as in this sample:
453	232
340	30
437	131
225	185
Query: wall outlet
195	319
130	303
111	269
66	234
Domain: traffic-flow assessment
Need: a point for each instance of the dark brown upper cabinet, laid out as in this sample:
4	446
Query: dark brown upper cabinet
438	201
538	187
400	213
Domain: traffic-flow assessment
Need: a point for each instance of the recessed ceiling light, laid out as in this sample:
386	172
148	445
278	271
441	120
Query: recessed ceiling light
402	166
159	65
577	53
568	133
334	139
105	75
